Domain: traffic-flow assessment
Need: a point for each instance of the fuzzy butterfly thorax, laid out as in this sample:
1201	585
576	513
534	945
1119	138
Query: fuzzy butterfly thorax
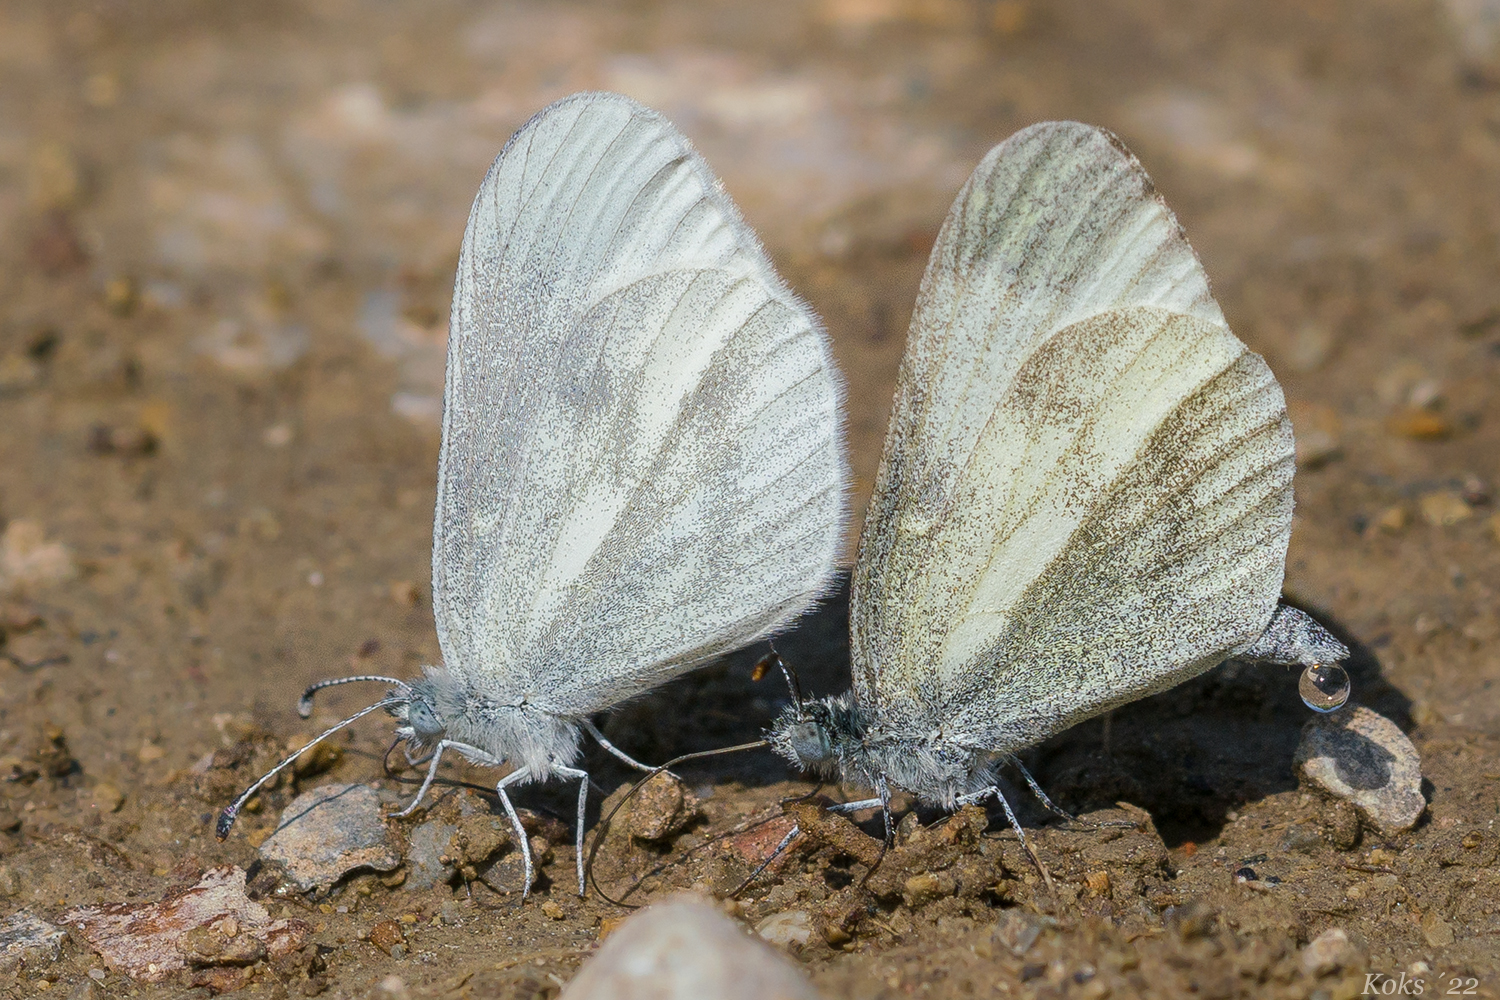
513	729
837	739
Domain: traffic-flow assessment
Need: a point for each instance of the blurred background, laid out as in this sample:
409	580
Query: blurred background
228	235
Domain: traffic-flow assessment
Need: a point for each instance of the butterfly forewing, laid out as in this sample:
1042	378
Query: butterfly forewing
641	464
1085	494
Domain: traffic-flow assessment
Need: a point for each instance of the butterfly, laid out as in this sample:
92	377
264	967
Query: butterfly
642	462
1085	495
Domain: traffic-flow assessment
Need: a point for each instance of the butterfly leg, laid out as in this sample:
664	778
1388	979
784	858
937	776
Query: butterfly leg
593	731
1041	796
385	762
1058	811
973	798
885	814
856	806
583	801
514	778
473	753
884	801
415	761
785	842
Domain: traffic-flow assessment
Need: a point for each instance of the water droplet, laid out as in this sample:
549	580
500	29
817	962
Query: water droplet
1324	687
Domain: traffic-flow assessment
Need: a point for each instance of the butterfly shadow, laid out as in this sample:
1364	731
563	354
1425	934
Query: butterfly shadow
1189	756
721	705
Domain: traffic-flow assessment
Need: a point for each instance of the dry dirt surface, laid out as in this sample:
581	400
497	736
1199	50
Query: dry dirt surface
227	237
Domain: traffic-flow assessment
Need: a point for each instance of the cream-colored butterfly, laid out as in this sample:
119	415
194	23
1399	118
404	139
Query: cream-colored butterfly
1086	490
642	464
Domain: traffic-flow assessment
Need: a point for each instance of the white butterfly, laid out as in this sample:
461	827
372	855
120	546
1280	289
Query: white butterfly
1086	490
642	464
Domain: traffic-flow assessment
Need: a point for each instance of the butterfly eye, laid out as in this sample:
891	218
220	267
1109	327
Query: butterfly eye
809	741
423	719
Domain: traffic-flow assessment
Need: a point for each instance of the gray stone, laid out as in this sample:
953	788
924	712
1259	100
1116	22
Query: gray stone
330	831
424	860
1361	757
28	940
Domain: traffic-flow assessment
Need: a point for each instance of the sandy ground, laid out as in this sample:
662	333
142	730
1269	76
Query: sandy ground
228	241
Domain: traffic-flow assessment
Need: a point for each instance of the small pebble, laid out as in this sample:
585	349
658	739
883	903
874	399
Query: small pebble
121	296
1361	757
426	858
1017	930
108	798
553	911
1193	919
277	435
320	758
1393	520
212	925
36	650
1482	629
787	928
1476	491
1435	930
925	887
27	940
1443	509
1329	952
1300	839
27	559
387	936
393	987
662	808
684	949
330	831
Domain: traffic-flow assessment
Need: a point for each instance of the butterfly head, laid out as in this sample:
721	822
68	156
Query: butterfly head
424	708
816	735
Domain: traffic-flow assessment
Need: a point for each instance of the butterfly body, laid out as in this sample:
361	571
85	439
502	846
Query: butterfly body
836	739
505	727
